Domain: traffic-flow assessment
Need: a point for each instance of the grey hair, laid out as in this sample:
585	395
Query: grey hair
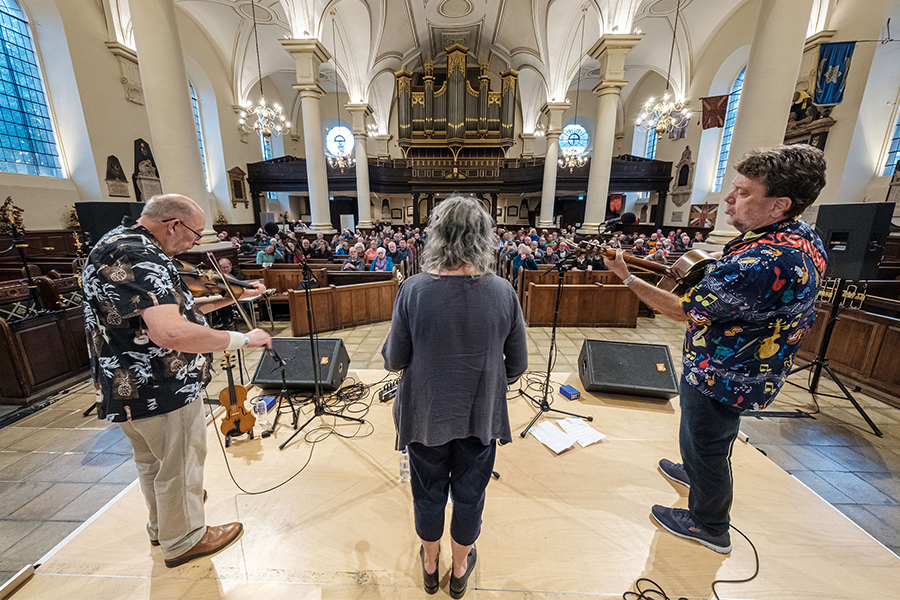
460	232
170	206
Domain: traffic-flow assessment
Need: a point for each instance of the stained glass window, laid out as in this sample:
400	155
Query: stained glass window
893	150
574	137
196	106
27	141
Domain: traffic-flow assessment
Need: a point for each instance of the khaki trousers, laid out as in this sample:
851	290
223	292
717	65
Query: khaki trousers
169	451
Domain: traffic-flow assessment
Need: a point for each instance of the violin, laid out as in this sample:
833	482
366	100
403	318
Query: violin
208	282
237	421
680	276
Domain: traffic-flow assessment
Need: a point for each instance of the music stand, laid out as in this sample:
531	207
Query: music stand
544	405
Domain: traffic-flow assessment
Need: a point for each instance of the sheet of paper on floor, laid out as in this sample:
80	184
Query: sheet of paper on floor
552	437
583	433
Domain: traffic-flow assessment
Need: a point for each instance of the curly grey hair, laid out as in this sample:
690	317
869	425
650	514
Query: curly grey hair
170	206
460	232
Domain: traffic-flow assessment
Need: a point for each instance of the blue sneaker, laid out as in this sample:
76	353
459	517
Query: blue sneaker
675	472
678	521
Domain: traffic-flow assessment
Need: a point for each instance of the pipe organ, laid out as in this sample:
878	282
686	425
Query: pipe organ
457	114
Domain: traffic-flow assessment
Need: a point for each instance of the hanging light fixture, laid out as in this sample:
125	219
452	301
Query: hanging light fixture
574	156
668	113
340	156
262	118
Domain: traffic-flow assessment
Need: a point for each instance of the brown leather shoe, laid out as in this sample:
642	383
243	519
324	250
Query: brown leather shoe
156	542
217	537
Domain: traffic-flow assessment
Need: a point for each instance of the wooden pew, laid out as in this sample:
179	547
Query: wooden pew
42	349
588	305
345	306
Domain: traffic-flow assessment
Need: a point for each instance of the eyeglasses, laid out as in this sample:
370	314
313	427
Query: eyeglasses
199	235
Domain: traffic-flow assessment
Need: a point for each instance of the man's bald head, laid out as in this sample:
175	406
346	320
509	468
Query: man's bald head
172	206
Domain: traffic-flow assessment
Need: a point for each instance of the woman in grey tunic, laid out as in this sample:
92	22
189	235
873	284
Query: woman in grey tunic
458	335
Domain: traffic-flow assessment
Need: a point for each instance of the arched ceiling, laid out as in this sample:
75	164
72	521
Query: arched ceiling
369	39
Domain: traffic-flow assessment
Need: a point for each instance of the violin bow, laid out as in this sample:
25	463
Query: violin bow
237	303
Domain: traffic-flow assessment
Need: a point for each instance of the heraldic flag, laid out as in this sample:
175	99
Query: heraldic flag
714	110
831	74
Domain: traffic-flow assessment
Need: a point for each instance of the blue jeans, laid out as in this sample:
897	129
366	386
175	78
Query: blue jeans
708	431
463	466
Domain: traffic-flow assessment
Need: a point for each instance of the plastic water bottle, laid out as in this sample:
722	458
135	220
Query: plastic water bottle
404	465
262	412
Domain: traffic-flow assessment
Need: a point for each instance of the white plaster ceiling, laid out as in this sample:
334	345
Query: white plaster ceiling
370	39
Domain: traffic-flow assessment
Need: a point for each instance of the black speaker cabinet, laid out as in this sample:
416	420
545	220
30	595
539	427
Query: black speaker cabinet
98	218
854	236
627	368
332	359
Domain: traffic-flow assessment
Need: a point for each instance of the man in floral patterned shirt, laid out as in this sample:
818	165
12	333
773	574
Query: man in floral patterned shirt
150	351
746	319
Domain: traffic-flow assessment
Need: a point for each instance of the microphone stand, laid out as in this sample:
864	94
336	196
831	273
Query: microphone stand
319	404
561	268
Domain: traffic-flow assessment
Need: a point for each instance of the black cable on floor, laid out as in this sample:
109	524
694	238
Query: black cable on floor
653	591
351	398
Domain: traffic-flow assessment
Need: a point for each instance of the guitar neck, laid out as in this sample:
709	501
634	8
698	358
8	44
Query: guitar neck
640	263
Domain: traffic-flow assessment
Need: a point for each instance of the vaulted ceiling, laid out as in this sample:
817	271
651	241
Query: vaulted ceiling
370	39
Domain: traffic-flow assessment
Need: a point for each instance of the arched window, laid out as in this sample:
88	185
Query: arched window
27	141
650	151
730	114
196	106
338	140
574	137
266	144
893	150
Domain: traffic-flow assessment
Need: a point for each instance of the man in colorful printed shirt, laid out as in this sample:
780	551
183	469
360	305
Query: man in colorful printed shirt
746	319
150	350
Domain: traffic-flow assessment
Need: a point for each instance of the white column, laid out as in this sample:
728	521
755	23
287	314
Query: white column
168	101
610	50
359	112
308	54
554	112
769	82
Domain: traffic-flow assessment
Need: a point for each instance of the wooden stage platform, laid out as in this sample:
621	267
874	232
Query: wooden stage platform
574	526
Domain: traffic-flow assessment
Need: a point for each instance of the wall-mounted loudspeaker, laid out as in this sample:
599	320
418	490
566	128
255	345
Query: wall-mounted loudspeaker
627	368
332	360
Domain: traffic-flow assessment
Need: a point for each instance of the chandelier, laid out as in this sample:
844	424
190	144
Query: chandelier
340	157
261	118
574	156
668	114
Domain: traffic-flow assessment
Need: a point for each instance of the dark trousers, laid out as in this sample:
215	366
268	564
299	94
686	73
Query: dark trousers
708	431
461	466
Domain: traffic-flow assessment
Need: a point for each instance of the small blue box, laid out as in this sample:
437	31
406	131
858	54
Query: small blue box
270	402
569	392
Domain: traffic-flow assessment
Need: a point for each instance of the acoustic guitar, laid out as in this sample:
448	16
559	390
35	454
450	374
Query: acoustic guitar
680	276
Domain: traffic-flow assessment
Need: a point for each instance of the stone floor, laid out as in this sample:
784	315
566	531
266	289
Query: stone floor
58	468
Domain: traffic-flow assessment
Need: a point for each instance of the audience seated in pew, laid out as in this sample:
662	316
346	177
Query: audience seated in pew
523	259
382	261
354	262
268	256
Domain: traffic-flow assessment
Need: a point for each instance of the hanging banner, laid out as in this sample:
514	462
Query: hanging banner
714	109
831	74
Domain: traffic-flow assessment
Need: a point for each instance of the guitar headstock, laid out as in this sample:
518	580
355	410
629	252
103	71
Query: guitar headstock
591	248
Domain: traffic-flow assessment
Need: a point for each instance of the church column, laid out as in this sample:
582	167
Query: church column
168	101
554	112
610	50
359	113
308	54
769	81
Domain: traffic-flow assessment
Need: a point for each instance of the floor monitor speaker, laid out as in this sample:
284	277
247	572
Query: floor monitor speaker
332	359
627	368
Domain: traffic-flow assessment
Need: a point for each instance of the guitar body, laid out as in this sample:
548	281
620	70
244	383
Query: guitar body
686	272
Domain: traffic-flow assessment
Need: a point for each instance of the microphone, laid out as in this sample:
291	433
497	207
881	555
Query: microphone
627	218
271	228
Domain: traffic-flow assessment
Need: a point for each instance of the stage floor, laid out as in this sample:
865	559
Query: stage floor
571	526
